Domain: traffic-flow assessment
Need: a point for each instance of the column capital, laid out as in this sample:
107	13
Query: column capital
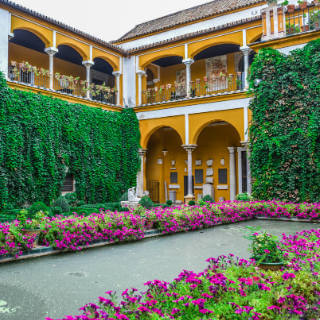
116	73
10	35
141	73
155	81
188	61
189	147
88	63
239	149
51	50
245	144
231	150
245	50
142	152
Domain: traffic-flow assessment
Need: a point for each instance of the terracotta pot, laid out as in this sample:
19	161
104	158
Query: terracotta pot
305	28
290	8
303	5
272	266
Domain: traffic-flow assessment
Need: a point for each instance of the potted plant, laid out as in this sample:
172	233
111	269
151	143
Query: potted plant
31	227
290	8
303	4
272	2
265	248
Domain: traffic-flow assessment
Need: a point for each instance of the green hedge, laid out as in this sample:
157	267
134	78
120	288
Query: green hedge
40	137
285	129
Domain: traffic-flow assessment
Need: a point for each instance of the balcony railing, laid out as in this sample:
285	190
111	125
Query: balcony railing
39	77
200	88
307	18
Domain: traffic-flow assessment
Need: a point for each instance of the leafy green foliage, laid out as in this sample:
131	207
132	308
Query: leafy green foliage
146	202
243	197
191	203
62	203
207	198
285	128
38	207
41	138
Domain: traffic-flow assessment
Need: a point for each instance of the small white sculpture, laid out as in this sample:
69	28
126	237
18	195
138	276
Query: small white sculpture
132	195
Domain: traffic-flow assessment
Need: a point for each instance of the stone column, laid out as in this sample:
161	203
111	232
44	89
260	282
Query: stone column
88	64
189	148
117	75
140	176
188	63
239	149
249	187
51	51
246	50
232	173
140	74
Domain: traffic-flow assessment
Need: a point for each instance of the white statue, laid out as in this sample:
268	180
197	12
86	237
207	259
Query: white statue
132	195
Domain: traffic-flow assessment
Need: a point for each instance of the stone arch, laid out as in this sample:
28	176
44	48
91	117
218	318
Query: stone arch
195	49
145	139
35	32
75	47
201	121
114	66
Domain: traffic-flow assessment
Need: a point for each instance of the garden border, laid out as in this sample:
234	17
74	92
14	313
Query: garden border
46	251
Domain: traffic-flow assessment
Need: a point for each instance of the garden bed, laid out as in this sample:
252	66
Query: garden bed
78	232
229	288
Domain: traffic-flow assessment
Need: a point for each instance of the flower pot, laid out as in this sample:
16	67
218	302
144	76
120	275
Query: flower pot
32	232
305	28
271	266
290	8
303	5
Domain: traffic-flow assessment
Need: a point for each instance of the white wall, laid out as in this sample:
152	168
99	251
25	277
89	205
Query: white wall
129	81
5	26
203	25
287	50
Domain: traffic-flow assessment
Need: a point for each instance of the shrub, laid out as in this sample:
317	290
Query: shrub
36	207
146	202
169	202
244	197
124	209
57	210
191	203
71	198
207	198
62	203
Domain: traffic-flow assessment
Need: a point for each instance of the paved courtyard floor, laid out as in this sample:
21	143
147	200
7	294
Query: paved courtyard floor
58	285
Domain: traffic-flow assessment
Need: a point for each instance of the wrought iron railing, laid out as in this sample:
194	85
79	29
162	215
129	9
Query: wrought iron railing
27	74
305	19
199	88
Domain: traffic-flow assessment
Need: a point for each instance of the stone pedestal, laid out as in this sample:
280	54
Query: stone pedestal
130	204
189	197
208	190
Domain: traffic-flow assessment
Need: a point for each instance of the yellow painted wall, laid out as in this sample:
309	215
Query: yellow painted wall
212	144
197	122
18	53
148	127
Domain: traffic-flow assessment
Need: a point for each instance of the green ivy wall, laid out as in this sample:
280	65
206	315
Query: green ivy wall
285	129
41	137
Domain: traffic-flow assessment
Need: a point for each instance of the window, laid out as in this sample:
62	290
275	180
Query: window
173	177
199	176
68	183
223	176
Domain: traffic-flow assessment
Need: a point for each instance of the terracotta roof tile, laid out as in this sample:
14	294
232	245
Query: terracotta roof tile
193	34
188	15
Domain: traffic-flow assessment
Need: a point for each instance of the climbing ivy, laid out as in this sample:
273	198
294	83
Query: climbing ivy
41	138
285	128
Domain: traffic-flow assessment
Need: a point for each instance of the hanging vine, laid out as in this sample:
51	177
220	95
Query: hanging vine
43	138
285	128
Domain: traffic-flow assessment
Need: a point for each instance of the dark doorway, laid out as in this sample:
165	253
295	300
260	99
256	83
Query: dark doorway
186	185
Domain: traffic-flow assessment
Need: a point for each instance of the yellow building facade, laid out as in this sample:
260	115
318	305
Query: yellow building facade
184	74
